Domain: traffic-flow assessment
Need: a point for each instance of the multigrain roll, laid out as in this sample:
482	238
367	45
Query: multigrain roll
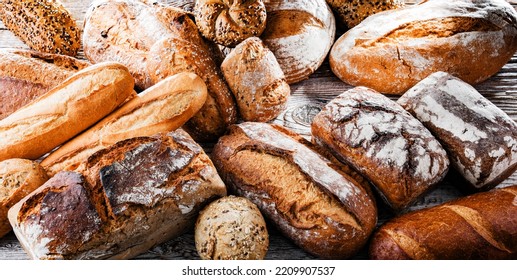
230	22
350	13
384	143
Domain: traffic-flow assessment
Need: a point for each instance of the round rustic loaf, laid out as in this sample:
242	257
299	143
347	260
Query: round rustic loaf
256	80
351	12
300	33
230	22
231	228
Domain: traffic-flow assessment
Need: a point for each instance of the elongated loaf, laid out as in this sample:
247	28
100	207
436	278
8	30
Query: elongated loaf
392	51
311	201
25	75
161	108
480	226
65	111
132	196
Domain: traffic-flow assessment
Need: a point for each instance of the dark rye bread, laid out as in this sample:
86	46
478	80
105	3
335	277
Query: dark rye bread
480	226
384	143
132	196
310	200
480	138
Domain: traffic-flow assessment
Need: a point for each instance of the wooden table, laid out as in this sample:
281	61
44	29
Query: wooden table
306	101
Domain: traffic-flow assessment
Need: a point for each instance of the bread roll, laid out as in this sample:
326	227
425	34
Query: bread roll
480	226
300	34
230	22
392	51
256	80
480	139
25	75
350	13
65	111
231	228
164	107
309	198
384	143
132	196
44	25
18	178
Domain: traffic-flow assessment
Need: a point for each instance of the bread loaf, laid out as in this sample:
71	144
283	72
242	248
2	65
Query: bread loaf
350	13
156	41
256	80
25	75
230	22
65	111
384	143
164	107
392	51
480	226
18	178
315	204
480	139
300	34
132	196
44	25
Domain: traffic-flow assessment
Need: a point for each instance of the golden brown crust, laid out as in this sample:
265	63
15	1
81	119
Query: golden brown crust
350	13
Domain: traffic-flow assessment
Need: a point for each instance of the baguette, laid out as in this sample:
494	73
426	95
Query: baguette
164	107
65	111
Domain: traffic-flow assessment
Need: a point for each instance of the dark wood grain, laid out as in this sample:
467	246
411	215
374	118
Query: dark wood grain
306	101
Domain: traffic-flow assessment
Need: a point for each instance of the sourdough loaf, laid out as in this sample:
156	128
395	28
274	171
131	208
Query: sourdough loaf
315	204
132	196
393	50
480	226
480	138
350	13
383	142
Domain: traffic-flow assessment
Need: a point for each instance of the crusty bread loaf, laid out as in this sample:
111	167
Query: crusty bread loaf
480	139
230	22
350	13
384	143
132	196
393	50
154	42
300	34
231	228
44	25
18	178
164	107
25	75
320	208
256	80
65	111
480	226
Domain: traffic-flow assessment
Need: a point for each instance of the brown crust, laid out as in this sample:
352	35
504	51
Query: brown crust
351	13
480	226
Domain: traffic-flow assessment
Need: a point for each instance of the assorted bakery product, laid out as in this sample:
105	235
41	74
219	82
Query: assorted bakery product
43	25
132	196
392	51
26	75
480	138
383	142
480	226
256	80
315	204
230	22
350	13
231	228
154	42
65	111
300	33
18	178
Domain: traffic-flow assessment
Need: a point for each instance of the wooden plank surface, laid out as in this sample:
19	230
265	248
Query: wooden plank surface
307	99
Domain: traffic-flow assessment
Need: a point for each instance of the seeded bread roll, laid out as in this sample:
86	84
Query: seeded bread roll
350	13
256	80
231	228
18	178
480	138
230	22
44	25
384	143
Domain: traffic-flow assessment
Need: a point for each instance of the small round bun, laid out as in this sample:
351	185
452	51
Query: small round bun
350	13
230	22
231	228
